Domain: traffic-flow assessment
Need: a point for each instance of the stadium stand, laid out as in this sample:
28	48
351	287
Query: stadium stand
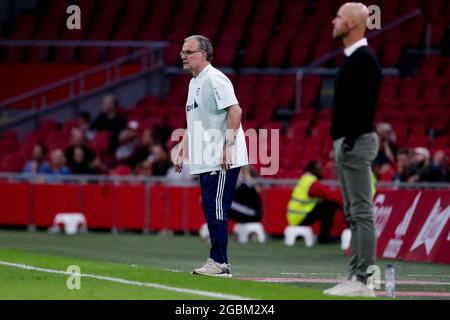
247	34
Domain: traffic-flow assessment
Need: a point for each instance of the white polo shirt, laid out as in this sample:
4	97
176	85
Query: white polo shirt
210	93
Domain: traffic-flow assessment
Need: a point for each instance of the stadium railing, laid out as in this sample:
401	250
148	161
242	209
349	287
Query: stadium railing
138	203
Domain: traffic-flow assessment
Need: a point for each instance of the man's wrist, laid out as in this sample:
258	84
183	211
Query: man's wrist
228	142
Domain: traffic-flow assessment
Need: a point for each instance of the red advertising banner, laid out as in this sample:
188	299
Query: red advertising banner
410	224
413	225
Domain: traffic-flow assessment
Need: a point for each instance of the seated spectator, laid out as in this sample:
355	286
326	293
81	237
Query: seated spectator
78	140
143	149
161	134
38	164
80	164
58	163
387	148
405	169
426	171
128	142
110	120
312	201
121	170
160	160
144	169
440	160
246	206
84	124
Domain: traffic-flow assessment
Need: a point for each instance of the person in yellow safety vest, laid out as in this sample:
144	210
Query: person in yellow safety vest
312	201
374	183
375	176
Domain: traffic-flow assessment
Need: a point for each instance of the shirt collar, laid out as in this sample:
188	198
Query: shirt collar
360	43
204	71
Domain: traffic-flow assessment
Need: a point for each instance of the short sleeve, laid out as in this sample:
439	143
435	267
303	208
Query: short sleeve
223	91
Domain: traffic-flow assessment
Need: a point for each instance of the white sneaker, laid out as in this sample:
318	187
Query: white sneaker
339	286
354	289
212	268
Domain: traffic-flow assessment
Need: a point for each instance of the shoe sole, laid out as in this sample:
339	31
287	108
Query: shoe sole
353	294
221	275
330	291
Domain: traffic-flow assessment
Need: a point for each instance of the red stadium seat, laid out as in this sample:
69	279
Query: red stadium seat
391	53
55	9
285	91
298	54
23	29
431	92
439	27
433	8
225	53
409	89
13	162
263	91
390	8
418	141
293	11
277	51
99	143
109	11
135	12
440	143
263	113
413	30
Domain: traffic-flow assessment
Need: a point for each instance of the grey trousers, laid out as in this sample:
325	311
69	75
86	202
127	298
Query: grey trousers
355	176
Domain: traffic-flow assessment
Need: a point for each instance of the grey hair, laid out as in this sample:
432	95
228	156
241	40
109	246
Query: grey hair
203	44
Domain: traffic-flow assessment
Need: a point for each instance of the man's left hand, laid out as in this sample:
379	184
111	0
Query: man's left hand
347	145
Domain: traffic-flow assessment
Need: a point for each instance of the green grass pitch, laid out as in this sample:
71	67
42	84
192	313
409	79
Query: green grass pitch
159	266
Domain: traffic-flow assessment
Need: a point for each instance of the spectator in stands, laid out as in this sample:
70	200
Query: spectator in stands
386	152
79	140
404	166
426	171
142	150
246	205
80	165
58	163
110	120
161	134
144	168
312	201
388	146
84	124
160	160
128	142
38	164
440	160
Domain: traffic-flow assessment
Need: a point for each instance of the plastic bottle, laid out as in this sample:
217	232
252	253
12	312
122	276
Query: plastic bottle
389	284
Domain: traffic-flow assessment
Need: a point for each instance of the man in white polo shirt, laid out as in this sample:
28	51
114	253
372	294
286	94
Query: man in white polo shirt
216	145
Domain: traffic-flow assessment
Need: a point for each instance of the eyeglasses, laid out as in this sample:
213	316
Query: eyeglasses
188	52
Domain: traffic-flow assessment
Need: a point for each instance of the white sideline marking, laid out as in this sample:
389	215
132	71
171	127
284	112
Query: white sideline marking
334	280
129	282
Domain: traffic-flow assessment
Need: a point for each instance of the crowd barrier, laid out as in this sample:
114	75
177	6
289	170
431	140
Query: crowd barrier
411	224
